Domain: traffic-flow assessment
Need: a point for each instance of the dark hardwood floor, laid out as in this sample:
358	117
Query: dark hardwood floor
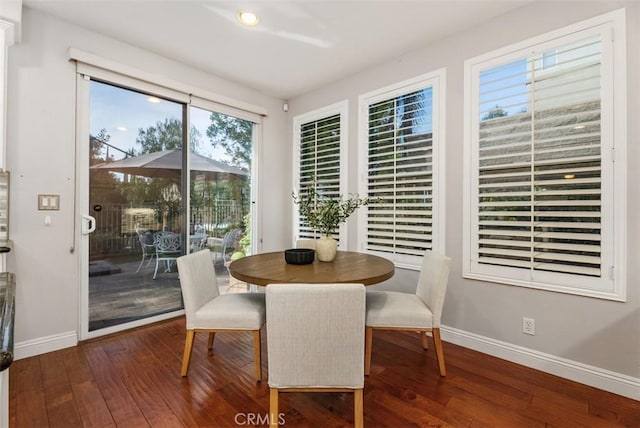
132	380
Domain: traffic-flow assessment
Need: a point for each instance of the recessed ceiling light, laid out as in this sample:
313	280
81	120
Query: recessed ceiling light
249	19
154	100
569	176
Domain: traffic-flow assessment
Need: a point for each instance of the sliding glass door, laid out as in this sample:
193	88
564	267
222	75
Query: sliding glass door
143	211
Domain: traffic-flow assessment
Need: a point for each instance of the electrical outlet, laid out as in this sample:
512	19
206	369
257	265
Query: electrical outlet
529	326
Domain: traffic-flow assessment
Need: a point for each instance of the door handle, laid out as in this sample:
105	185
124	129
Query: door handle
88	224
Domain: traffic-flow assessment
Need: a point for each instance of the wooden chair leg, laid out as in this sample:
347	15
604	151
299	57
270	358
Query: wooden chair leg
273	407
188	346
256	354
439	353
425	340
367	349
358	408
212	336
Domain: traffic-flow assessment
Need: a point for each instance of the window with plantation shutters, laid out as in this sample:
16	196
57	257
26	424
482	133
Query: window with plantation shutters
319	137
400	165
542	146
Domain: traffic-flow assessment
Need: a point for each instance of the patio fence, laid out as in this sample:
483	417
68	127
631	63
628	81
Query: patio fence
115	233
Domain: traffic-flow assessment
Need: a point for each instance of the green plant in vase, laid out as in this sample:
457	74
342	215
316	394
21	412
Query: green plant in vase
324	214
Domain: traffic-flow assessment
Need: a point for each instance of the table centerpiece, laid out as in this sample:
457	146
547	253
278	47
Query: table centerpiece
324	214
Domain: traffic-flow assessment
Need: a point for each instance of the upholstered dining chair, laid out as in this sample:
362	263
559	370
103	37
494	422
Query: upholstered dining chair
315	341
209	311
421	312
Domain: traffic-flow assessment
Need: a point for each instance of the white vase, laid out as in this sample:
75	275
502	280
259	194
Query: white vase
326	248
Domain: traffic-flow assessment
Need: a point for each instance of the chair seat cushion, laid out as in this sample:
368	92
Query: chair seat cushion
395	309
236	311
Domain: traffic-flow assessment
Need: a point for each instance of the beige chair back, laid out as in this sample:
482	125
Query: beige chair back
197	280
316	335
432	283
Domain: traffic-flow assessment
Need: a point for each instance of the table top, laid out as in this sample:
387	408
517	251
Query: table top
347	267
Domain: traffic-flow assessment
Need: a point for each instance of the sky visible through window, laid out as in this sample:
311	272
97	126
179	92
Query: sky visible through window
422	113
121	112
504	87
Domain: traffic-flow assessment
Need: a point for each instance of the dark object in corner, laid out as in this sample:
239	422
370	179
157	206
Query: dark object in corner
299	256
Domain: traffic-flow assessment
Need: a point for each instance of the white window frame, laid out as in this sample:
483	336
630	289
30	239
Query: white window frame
437	80
340	108
612	283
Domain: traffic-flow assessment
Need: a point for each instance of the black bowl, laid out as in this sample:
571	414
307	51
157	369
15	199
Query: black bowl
299	256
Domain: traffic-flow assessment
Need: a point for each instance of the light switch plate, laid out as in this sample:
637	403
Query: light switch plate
48	202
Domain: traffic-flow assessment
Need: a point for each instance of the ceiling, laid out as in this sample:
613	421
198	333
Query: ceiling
297	46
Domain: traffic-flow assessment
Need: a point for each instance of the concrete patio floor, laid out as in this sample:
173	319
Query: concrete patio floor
118	294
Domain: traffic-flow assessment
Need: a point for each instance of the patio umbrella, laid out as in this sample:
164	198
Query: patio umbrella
168	164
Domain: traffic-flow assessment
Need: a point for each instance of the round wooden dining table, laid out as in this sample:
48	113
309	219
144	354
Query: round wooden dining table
347	267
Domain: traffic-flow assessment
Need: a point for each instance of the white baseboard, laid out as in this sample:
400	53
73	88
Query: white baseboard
42	345
617	383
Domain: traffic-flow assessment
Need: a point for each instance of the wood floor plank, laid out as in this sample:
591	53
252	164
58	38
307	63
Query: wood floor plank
164	374
562	410
414	410
503	395
132	379
26	378
609	406
487	413
200	387
402	392
433	389
58	391
133	374
306	409
91	405
117	397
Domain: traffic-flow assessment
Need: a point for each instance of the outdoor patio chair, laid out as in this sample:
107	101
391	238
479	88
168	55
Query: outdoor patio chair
145	238
229	243
225	247
198	241
167	249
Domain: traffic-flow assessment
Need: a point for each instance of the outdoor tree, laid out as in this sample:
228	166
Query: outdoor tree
234	135
102	181
495	112
165	135
96	144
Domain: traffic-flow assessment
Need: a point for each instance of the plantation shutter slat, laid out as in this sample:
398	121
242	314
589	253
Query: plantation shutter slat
400	174
539	162
319	158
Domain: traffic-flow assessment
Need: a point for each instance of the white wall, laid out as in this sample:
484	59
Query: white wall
597	333
40	157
